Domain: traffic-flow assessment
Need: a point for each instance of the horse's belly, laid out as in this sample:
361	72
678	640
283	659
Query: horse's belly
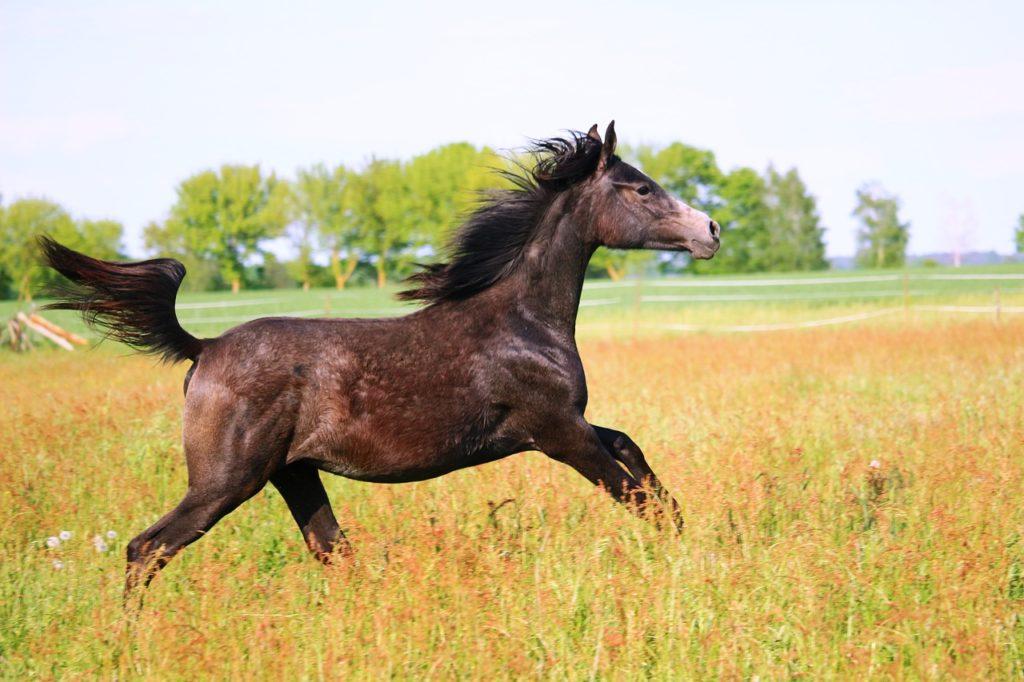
401	467
393	450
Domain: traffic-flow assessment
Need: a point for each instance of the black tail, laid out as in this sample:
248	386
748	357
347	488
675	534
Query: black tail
131	302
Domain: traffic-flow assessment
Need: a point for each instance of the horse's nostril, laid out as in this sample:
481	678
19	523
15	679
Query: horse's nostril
713	228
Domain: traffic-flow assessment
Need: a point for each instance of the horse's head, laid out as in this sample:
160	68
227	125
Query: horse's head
631	211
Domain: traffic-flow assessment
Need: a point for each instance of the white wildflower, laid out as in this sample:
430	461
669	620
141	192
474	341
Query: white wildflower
53	541
875	464
58	564
99	544
65	535
111	535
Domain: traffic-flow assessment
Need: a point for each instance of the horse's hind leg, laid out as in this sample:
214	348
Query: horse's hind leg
300	486
206	502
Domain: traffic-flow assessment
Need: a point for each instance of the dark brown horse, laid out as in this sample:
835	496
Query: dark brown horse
487	369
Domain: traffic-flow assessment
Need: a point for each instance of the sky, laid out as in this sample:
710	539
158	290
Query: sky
106	106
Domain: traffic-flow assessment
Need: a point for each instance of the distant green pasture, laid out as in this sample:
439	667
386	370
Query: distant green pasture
634	305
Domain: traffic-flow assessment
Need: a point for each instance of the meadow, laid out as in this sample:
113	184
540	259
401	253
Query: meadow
851	492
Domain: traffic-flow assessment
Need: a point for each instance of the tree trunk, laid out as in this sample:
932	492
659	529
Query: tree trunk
382	276
236	285
305	285
614	273
339	280
342	278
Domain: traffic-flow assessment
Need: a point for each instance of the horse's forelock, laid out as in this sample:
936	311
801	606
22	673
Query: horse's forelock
561	162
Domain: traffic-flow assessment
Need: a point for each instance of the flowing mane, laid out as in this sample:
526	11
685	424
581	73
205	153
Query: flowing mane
489	244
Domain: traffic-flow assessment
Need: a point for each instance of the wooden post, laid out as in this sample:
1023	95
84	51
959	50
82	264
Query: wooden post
637	294
906	296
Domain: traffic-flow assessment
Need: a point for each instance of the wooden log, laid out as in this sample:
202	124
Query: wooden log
59	331
43	331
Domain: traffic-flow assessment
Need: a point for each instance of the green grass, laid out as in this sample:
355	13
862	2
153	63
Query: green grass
853	511
852	496
638	304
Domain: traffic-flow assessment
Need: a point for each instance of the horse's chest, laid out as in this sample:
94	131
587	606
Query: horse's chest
545	380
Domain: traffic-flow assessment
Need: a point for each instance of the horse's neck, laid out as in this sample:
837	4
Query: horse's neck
548	284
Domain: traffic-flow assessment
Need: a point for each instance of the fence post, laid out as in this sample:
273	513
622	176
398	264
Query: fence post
636	307
906	297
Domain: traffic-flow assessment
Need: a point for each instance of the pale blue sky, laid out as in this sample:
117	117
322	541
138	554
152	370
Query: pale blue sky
106	106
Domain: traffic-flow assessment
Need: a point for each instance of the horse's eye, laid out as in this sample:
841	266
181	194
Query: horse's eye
643	190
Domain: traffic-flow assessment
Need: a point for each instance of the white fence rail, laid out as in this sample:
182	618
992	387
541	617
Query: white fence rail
635	293
805	324
800	281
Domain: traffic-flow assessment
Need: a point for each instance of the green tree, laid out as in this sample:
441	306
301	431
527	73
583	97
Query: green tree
795	235
99	238
882	238
380	204
22	222
1019	234
203	273
224	216
304	235
743	213
444	185
320	197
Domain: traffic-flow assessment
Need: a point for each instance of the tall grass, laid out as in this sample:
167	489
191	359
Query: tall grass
852	498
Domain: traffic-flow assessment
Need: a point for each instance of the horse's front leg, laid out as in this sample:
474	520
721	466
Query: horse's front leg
580	447
623	449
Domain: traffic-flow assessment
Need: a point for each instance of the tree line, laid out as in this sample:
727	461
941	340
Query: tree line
21	222
373	223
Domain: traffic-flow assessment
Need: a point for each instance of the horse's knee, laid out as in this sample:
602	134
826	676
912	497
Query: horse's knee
141	553
625	448
136	548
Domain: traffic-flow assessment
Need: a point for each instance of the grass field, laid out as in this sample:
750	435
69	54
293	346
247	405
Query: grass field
646	305
852	495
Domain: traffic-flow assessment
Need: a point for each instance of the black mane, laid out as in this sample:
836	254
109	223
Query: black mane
489	244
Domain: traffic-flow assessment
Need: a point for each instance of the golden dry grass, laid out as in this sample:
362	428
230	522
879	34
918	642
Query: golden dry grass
800	557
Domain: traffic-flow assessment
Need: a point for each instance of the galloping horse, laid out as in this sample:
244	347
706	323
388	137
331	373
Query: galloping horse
488	368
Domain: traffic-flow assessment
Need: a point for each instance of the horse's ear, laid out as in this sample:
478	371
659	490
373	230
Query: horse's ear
594	135
608	147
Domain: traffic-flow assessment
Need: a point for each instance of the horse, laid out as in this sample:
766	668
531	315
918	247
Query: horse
487	368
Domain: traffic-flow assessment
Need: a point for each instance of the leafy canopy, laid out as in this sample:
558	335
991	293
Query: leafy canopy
882	238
